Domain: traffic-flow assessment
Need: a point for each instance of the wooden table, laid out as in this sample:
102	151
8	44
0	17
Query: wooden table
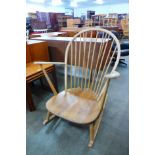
49	34
115	28
57	46
36	50
40	30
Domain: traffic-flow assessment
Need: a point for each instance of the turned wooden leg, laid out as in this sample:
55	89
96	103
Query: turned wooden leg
29	99
93	129
48	118
91	135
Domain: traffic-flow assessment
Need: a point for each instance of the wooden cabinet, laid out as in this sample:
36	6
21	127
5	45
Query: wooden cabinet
72	22
38	50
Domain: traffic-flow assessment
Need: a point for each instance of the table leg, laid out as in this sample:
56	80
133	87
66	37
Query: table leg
55	79
29	99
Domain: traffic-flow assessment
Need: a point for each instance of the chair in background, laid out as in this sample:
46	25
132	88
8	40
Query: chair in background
83	100
125	27
88	23
124	49
108	21
113	15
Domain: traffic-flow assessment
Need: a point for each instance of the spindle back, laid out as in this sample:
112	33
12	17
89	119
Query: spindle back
88	60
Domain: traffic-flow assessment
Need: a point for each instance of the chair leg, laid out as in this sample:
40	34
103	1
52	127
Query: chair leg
48	118
122	62
93	129
91	135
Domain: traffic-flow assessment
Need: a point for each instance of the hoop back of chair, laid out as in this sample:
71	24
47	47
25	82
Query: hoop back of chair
89	59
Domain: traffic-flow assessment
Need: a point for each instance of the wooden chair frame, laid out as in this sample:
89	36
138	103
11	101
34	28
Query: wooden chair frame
100	89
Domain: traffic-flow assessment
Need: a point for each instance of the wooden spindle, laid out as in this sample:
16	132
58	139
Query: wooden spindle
101	62
83	66
79	52
71	65
88	60
75	64
95	90
100	87
99	55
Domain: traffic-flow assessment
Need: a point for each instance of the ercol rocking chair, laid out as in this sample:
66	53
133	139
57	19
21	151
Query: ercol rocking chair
85	94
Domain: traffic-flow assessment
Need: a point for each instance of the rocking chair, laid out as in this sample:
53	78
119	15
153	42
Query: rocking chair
87	76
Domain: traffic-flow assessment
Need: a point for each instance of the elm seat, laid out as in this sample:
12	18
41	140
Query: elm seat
76	106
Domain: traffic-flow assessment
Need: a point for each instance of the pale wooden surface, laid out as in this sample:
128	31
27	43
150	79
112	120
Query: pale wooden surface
32	69
29	41
77	106
52	63
68	39
35	51
71	22
113	75
83	103
103	56
48	80
49	34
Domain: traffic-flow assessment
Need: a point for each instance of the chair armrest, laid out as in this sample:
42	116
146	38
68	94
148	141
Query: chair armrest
45	63
112	75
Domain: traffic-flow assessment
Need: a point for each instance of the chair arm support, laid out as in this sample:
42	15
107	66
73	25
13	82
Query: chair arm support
112	75
45	63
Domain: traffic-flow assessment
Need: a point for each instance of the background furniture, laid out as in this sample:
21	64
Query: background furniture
57	46
36	24
125	27
36	51
124	49
110	21
49	34
83	100
98	19
40	30
71	22
113	15
90	13
88	23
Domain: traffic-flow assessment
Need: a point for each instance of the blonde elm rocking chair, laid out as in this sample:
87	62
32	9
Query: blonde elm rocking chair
86	85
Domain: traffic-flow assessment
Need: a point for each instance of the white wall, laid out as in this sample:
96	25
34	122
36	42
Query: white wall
119	8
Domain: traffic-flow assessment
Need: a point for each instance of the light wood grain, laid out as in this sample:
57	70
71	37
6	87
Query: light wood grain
125	27
83	100
76	105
